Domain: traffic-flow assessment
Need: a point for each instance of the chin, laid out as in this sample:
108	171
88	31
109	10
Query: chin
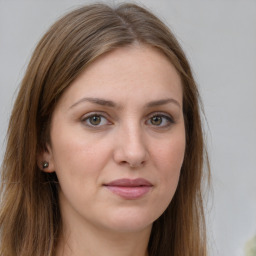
130	221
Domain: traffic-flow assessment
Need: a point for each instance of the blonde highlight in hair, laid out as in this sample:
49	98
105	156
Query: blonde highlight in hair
30	218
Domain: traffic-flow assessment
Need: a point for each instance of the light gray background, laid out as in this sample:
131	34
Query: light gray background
219	38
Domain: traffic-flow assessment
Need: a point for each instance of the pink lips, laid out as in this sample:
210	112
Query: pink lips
129	189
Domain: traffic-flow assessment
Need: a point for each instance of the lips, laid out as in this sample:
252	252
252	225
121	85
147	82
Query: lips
129	188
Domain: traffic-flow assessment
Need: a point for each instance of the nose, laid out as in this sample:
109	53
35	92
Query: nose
131	149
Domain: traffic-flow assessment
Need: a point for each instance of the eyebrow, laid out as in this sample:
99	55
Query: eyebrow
109	103
98	101
163	102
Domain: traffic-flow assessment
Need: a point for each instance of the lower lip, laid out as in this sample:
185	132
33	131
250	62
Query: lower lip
130	192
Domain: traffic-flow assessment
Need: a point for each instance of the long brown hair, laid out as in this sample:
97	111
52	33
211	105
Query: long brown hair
30	218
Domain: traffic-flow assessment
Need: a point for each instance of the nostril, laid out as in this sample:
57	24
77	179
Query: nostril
123	163
132	165
136	165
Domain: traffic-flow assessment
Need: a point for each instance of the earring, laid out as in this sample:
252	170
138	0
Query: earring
45	164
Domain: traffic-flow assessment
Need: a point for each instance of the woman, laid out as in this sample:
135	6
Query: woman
105	148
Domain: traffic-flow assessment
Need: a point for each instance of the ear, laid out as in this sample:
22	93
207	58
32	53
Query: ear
45	156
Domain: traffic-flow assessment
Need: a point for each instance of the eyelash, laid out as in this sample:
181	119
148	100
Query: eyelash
168	119
164	117
86	120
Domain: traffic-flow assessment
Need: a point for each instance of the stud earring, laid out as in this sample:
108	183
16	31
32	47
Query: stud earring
45	165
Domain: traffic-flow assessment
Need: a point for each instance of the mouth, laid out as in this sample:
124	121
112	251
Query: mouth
129	188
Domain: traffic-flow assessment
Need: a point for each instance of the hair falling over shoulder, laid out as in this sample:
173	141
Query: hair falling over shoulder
30	220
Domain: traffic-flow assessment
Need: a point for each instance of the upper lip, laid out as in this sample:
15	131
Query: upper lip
129	183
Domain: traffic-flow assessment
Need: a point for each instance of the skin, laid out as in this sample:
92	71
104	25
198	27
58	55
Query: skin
130	137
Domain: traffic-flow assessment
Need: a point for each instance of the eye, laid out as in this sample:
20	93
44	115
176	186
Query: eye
156	120
95	120
160	120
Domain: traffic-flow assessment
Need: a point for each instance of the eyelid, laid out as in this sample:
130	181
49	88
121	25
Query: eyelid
165	115
161	113
85	117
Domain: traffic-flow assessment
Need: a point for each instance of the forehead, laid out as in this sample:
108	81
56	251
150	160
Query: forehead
136	71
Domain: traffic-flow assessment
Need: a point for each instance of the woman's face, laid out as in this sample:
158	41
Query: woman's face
118	141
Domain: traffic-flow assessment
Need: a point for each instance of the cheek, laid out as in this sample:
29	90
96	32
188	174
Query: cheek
76	157
78	166
170	154
168	161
